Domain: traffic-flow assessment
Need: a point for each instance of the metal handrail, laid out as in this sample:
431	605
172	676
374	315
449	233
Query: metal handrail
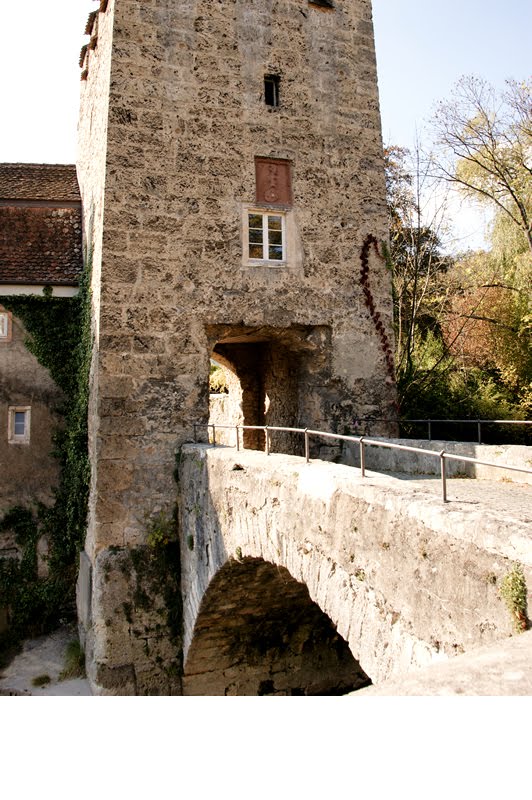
362	441
430	422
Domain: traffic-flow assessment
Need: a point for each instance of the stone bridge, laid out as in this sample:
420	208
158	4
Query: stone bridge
308	579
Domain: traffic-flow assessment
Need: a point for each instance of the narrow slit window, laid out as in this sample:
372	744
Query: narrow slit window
271	90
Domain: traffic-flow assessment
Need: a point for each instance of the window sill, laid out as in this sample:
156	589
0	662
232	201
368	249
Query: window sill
269	264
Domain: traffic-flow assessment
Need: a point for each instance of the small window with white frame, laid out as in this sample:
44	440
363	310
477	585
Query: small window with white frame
266	237
19	418
5	325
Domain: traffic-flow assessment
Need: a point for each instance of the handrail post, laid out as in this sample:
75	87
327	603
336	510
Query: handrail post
266	431
195	434
443	476
213	435
362	458
479	429
237	438
307	448
430	430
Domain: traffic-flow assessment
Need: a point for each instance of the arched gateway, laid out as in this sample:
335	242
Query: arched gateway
231	169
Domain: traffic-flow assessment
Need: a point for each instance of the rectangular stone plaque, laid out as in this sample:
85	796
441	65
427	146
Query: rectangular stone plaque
273	181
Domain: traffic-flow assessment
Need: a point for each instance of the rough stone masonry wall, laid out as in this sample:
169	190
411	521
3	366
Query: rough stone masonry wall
174	144
91	171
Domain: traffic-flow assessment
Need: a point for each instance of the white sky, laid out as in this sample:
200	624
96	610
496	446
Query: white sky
423	47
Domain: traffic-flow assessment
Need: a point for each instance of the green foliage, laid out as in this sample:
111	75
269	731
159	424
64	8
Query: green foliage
462	326
41	680
59	335
36	604
488	323
513	592
162	529
70	511
74	662
155	572
52	324
217	380
415	258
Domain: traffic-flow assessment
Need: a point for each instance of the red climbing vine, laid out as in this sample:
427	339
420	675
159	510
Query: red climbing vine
369	242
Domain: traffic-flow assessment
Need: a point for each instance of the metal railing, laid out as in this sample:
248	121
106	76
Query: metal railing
363	422
362	441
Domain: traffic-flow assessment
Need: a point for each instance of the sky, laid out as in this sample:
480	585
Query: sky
423	47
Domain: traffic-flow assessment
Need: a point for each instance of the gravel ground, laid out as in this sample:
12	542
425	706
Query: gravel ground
43	656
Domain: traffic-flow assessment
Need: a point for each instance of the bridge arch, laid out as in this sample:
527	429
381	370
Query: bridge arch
387	565
258	632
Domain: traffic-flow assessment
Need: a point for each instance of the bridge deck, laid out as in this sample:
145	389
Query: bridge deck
505	498
495	515
514	500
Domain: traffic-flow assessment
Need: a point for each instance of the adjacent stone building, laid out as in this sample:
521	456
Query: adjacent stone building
231	172
40	250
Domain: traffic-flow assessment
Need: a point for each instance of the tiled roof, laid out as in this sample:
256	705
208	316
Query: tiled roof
40	240
39	182
40	245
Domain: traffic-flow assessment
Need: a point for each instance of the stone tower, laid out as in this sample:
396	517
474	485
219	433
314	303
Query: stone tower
231	170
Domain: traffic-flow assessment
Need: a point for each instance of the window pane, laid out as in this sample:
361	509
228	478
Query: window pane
3	325
255	251
275	223
20	423
255	221
276	253
275	237
255	237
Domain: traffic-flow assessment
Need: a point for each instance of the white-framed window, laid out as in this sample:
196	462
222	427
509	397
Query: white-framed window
5	325
266	236
19	419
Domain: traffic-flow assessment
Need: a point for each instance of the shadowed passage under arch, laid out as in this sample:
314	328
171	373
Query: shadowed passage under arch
274	376
259	633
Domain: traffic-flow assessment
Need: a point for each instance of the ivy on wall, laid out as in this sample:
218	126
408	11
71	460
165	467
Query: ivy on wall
59	336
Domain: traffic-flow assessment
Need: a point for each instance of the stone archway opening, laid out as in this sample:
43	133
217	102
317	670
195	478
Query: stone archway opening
274	377
259	633
225	399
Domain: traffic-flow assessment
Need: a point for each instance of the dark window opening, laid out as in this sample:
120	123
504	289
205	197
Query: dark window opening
321	3
271	90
